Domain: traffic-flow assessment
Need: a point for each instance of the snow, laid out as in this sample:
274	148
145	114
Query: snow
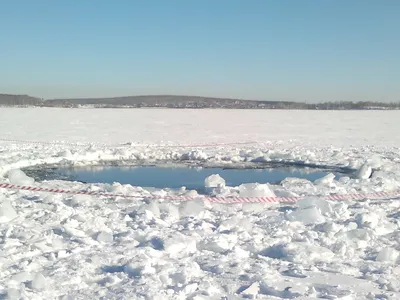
19	178
90	247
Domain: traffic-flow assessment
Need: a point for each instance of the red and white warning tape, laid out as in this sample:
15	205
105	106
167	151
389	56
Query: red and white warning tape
223	200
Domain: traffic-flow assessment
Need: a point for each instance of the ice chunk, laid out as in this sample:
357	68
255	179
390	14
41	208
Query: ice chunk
170	209
252	290
359	234
319	203
191	208
311	215
13	294
153	207
253	207
344	179
73	231
191	193
220	243
370	220
22	277
298	252
19	178
7	211
65	153
326	180
228	224
38	282
133	269
214	181
190	288
387	255
105	237
375	161
50	199
195	155
82	200
364	172
214	184
255	190
178	245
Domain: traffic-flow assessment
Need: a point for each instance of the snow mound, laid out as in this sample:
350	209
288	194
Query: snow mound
18	177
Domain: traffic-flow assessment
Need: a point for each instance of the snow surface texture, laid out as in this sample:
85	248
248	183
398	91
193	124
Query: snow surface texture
82	247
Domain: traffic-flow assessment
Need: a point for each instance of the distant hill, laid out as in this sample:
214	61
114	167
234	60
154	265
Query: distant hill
170	101
19	100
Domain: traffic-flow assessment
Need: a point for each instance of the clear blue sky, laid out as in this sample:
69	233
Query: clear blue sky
253	49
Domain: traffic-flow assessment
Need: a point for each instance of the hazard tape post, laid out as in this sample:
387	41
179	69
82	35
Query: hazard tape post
222	200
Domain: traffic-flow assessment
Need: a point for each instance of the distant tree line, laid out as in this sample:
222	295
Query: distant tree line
348	105
19	100
183	102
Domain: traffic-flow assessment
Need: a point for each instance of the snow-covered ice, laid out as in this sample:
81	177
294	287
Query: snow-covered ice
59	246
19	178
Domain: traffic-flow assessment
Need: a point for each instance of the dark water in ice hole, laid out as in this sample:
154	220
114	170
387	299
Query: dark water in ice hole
176	177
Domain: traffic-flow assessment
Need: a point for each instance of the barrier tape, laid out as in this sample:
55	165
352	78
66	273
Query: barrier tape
83	144
222	200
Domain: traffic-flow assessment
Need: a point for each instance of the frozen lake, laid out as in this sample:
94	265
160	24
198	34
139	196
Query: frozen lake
105	247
